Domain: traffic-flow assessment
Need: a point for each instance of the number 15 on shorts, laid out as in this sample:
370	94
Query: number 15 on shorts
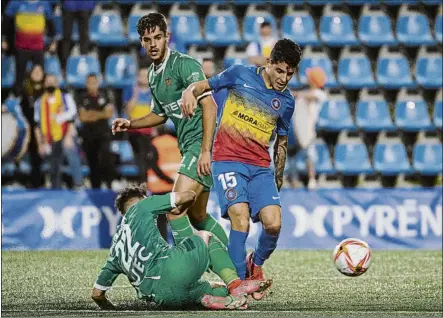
228	180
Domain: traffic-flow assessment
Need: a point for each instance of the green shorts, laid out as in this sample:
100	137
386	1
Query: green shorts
180	284
188	166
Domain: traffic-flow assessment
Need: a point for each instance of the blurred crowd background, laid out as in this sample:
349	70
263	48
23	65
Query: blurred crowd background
70	67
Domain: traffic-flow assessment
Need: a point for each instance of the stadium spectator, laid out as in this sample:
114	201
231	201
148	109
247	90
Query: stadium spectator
33	90
307	108
258	52
80	11
55	131
137	101
29	36
95	108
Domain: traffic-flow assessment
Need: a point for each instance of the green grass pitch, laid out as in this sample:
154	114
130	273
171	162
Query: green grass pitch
399	283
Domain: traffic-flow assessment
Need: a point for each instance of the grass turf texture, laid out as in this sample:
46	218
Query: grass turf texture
399	283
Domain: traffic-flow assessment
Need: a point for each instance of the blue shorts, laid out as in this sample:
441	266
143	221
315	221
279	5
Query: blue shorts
236	182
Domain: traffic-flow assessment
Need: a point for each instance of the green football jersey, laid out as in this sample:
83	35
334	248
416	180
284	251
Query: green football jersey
167	81
137	246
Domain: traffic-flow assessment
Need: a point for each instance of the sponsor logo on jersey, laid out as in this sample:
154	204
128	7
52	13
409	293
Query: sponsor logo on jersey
251	120
168	81
231	194
275	103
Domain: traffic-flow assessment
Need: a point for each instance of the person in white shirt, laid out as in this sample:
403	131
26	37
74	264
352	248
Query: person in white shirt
258	52
308	104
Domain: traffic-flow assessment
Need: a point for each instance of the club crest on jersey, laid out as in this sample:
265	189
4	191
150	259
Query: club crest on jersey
231	194
168	81
275	103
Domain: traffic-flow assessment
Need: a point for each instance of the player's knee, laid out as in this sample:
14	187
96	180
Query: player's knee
239	219
272	228
205	235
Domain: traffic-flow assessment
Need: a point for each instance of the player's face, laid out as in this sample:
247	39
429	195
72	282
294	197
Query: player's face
155	44
92	84
279	74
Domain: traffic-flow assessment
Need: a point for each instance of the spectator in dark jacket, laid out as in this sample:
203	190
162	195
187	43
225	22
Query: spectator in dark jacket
95	109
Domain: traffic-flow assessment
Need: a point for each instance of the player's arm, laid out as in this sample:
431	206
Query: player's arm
150	120
280	149
281	143
225	79
209	123
173	202
105	279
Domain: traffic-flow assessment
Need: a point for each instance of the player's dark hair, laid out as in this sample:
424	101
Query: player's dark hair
132	191
207	59
150	22
286	51
265	24
91	75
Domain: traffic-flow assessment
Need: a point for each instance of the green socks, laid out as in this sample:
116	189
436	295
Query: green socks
211	225
221	263
181	228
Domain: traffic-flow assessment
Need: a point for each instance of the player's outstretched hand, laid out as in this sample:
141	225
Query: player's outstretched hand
204	164
189	103
120	125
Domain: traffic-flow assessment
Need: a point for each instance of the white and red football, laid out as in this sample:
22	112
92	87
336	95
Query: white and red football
352	257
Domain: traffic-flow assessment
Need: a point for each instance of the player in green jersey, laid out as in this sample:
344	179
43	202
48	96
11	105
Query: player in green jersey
168	276
169	75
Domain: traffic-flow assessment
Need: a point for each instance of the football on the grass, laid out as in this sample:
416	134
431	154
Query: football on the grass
352	257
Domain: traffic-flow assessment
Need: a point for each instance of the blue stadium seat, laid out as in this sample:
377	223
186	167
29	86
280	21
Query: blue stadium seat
427	158
431	2
317	58
132	28
352	159
187	29
252	22
354	70
335	114
229	61
336	29
106	29
78	67
438	111
222	29
300	27
428	69
322	160
411	114
120	70
391	159
8	71
233	55
52	66
372	115
393	70
375	29
438	28
413	28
